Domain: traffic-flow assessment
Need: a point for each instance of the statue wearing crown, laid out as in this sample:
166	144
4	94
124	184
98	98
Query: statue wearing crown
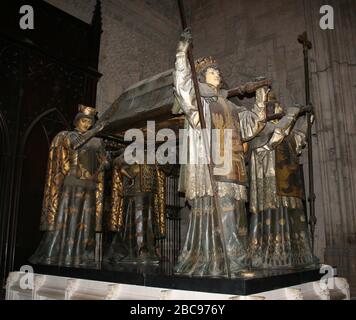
73	196
203	253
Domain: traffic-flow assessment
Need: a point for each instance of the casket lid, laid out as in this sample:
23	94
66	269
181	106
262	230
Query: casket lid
149	99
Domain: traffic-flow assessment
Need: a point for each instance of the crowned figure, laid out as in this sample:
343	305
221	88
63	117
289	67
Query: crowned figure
279	235
203	254
73	195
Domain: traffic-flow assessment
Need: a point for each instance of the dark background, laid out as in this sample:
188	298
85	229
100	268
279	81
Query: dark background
44	74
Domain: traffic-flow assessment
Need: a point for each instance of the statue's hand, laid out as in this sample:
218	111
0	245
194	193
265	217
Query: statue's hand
307	109
261	94
185	40
79	140
131	179
101	126
125	173
303	109
294	111
186	35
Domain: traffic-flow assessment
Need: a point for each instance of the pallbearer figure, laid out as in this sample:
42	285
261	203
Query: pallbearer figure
203	254
279	235
138	213
73	196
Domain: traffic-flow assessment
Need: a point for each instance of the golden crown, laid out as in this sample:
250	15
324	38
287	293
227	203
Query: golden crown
89	111
203	63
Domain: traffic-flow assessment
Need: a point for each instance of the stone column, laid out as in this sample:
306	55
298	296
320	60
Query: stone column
333	76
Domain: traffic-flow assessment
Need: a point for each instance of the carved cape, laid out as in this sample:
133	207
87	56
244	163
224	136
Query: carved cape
61	161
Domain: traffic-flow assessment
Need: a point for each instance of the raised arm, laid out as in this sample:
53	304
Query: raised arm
299	133
283	128
183	82
253	121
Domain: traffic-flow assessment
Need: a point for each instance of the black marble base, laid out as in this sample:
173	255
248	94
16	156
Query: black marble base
155	276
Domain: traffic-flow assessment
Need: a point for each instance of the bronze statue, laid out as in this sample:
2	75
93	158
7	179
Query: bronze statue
279	235
203	252
138	212
73	196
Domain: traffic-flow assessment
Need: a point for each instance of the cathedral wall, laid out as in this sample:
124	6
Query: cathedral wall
138	41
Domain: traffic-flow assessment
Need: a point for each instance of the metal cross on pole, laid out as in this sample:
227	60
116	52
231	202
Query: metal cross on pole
303	39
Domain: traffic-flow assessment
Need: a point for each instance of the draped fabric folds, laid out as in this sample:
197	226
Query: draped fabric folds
203	253
279	234
138	213
72	204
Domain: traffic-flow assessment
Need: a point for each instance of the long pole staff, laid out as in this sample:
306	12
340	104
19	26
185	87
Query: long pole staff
205	140
303	39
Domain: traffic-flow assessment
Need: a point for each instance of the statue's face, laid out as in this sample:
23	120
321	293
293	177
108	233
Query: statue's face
84	124
213	77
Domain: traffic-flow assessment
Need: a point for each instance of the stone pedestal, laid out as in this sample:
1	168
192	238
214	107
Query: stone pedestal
78	284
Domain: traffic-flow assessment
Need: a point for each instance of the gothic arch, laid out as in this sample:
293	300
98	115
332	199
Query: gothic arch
55	114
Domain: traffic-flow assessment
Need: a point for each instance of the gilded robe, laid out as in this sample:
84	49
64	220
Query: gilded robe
202	254
73	202
138	213
279	235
